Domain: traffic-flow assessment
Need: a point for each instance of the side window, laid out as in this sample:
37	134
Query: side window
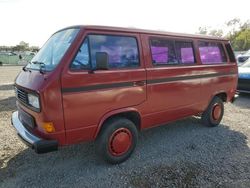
122	51
185	52
163	52
81	60
211	53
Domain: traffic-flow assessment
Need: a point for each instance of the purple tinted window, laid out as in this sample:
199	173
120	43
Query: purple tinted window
211	53
185	52
113	52
122	51
163	52
187	55
159	54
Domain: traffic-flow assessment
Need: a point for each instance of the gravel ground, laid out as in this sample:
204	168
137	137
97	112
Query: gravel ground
8	74
182	154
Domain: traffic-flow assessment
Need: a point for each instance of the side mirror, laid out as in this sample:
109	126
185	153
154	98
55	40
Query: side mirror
102	60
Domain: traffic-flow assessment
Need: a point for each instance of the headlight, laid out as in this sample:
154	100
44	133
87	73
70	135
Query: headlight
33	100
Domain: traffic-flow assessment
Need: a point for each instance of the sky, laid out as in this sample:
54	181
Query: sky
34	21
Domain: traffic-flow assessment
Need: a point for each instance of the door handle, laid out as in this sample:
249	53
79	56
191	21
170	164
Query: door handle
139	83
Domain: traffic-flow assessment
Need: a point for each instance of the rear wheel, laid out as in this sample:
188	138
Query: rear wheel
117	140
214	113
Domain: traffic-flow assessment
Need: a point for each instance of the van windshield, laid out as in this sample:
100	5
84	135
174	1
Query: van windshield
50	55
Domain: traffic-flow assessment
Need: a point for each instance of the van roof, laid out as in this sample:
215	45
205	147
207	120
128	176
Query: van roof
145	31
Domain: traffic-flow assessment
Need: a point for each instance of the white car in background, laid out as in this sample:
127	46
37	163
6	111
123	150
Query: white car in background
243	57
244	77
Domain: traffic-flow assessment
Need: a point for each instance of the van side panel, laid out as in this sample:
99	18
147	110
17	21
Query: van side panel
179	91
224	79
173	91
84	109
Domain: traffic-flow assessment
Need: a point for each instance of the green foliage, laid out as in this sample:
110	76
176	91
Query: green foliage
241	41
239	35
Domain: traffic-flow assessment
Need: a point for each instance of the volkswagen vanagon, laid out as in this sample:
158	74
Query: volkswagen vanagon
105	84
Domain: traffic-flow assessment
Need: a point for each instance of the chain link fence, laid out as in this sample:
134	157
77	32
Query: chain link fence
21	59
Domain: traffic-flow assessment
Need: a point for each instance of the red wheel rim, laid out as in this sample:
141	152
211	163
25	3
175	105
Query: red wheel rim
216	113
120	141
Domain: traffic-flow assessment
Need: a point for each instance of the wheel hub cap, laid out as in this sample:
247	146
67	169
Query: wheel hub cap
120	141
216	111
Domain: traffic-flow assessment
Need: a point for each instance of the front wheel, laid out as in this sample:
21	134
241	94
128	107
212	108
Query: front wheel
117	140
214	113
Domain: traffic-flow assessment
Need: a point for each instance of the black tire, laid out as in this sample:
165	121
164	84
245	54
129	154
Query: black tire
113	128
212	116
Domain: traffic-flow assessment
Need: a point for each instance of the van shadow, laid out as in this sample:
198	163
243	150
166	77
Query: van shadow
6	87
243	101
185	142
8	104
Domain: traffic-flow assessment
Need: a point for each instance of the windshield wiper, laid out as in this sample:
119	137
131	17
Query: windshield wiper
24	68
41	64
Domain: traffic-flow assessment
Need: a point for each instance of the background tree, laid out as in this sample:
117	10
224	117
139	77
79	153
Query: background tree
22	46
237	32
239	35
216	33
34	48
5	48
208	31
202	31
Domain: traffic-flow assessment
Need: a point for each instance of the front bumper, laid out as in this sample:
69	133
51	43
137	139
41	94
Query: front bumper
38	144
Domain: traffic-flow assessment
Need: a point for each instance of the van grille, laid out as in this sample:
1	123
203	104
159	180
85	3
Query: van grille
21	95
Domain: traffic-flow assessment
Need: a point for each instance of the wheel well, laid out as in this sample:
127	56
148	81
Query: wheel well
223	96
131	115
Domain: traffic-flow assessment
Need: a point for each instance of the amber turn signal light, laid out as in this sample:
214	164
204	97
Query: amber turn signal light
48	127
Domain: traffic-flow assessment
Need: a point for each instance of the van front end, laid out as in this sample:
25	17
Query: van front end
39	119
34	122
39	116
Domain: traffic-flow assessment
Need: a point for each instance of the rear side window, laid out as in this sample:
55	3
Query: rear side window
122	51
171	52
230	53
211	53
185	52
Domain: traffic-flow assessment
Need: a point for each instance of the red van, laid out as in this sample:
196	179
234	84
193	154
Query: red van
106	84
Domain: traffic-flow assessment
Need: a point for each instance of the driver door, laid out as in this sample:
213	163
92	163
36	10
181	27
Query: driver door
89	94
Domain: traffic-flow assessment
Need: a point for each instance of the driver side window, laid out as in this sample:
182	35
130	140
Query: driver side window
81	60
